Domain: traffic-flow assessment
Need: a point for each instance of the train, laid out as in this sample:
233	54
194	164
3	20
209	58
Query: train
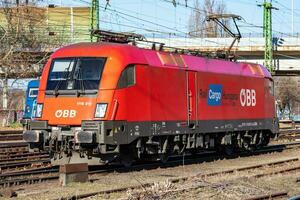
30	101
100	103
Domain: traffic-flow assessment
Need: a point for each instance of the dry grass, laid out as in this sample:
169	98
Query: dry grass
238	185
156	191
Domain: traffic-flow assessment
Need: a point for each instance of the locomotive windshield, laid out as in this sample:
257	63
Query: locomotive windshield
80	74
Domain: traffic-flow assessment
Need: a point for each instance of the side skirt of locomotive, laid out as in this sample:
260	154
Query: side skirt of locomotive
100	142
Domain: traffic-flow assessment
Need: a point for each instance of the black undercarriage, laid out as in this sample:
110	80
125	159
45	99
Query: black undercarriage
100	142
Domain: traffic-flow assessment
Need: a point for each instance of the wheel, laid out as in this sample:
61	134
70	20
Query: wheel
263	141
266	140
164	157
229	150
126	156
126	161
193	152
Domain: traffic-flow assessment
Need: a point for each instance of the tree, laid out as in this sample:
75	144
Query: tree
24	45
24	41
287	94
199	27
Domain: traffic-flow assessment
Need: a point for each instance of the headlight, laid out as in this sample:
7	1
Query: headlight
39	110
100	110
27	109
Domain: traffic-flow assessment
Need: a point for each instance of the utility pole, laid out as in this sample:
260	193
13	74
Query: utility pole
292	18
95	18
5	93
267	32
72	24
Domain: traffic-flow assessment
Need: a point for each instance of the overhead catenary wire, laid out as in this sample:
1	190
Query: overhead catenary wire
88	34
163	26
181	33
168	1
88	18
175	32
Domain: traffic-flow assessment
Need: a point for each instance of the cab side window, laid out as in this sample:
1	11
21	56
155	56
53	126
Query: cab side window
127	77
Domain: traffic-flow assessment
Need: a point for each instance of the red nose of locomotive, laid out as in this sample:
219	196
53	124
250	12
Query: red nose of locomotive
68	111
71	90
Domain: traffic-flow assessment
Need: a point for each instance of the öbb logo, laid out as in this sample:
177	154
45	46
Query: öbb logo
248	97
65	113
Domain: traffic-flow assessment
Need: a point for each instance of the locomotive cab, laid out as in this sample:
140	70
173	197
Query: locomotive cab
75	108
30	102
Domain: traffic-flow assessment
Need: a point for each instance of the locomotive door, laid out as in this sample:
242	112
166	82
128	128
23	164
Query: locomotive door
192	101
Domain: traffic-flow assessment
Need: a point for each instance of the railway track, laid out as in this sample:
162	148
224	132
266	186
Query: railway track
11	135
31	176
18	166
289	134
14	165
201	175
15	158
45	172
12	145
19	155
21	158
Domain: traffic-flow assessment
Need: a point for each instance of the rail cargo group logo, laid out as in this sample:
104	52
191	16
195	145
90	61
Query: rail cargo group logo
214	95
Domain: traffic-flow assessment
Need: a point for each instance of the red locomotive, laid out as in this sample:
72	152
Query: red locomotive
99	102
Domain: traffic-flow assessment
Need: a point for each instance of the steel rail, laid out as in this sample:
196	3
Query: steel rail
22	164
14	150
30	180
20	155
269	196
11	137
22	159
13	144
289	169
28	172
11	132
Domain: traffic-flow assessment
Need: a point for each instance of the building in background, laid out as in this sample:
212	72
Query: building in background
65	24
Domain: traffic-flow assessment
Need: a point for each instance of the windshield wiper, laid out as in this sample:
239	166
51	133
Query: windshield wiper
60	81
61	92
81	82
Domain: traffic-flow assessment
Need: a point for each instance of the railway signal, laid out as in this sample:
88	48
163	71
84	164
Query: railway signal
277	42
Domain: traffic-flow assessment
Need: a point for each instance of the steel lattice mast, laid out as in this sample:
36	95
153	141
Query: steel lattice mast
94	18
267	31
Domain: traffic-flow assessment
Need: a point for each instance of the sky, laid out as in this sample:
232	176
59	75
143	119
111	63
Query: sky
160	17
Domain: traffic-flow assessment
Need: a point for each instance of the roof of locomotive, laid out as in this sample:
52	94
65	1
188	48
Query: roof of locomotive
129	54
